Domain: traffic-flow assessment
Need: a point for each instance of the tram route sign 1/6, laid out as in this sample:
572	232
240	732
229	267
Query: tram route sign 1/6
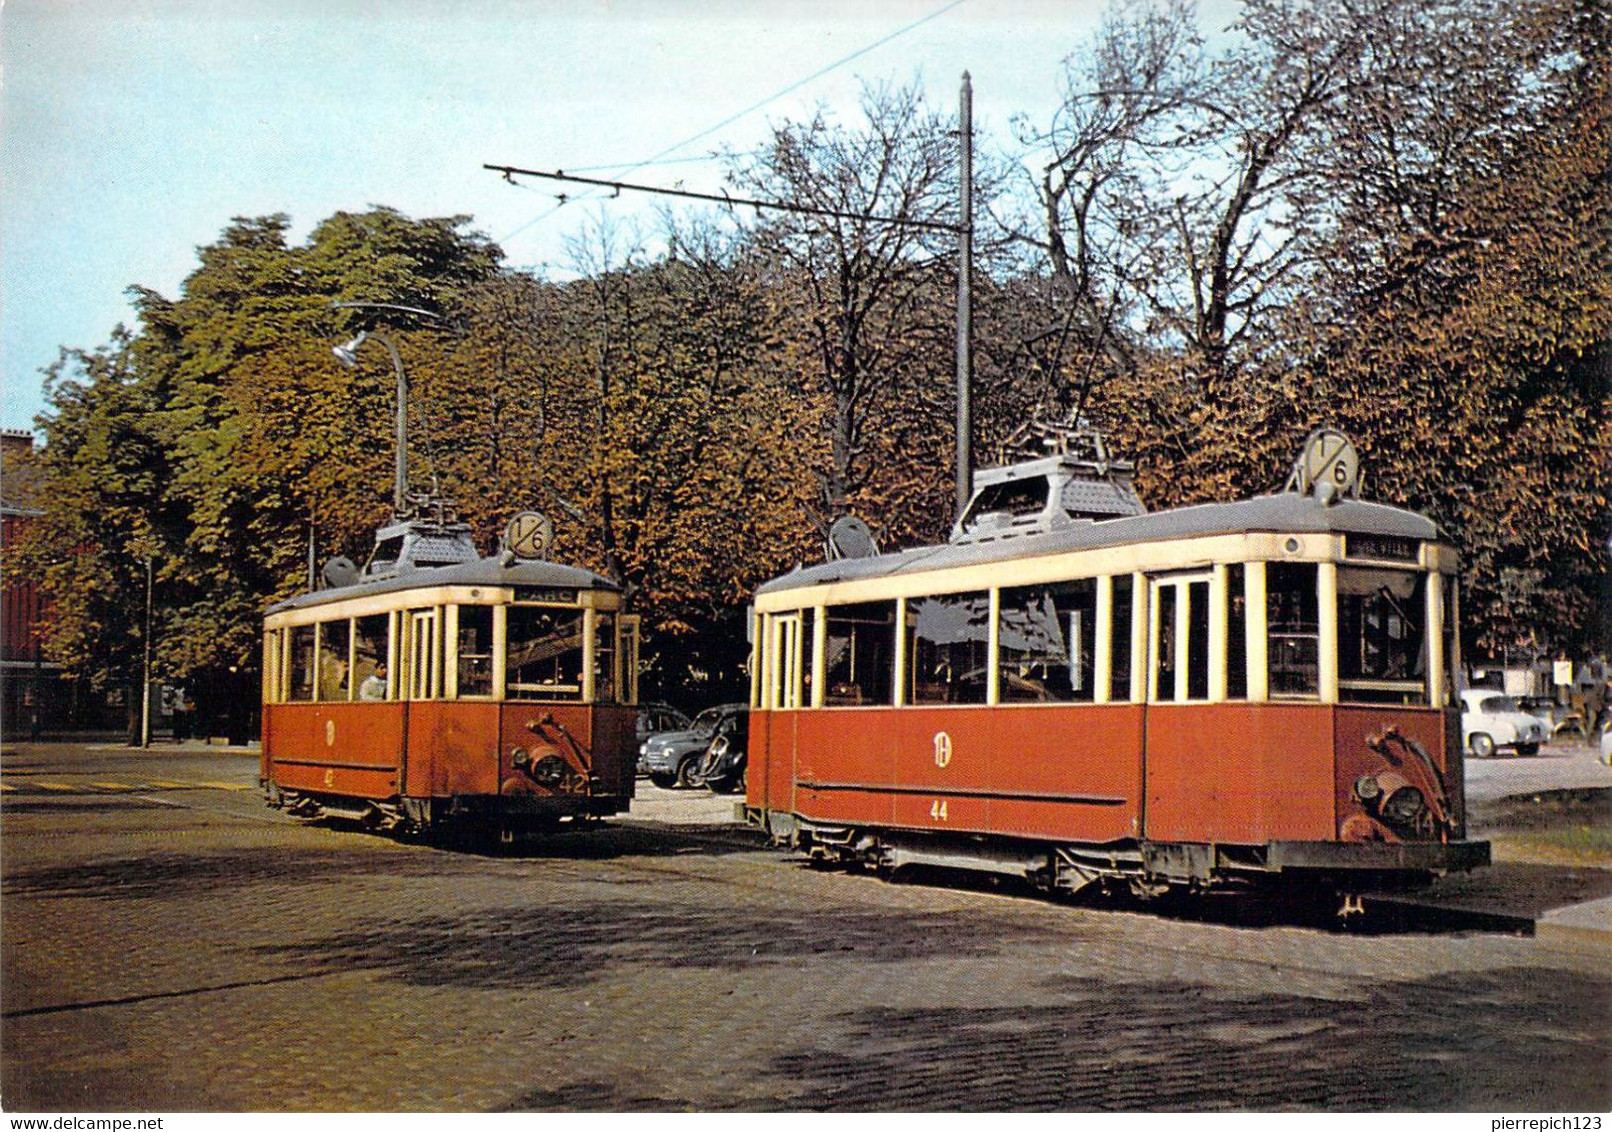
529	535
1328	461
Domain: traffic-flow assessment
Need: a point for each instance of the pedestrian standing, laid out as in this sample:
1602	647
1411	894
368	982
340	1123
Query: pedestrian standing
184	715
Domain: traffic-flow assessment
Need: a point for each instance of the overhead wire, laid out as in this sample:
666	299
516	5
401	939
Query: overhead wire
728	121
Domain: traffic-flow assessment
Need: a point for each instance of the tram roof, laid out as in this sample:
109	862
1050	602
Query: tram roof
1286	513
482	572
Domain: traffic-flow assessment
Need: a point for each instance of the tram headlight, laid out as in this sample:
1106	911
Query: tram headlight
1404	805
549	771
1391	798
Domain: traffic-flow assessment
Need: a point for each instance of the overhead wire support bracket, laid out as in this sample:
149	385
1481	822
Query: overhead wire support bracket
509	172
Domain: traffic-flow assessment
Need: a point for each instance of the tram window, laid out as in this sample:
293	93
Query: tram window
1047	643
629	658
1015	498
421	678
604	657
1198	641
860	648
1119	683
1164	650
273	641
789	652
544	654
302	663
370	638
808	619
1293	614
335	638
948	642
475	650
1236	632
1382	633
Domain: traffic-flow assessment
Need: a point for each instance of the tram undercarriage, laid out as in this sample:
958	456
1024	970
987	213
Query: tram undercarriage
1146	868
510	816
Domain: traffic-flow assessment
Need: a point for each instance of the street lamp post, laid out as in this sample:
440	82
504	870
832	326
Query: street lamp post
347	354
145	671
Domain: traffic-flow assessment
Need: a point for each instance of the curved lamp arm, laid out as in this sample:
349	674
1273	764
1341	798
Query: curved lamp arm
347	355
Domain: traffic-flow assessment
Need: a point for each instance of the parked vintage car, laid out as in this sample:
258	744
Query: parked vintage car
671	759
657	719
1491	721
721	768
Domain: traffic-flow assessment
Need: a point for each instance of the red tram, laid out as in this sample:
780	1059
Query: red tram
439	688
1076	691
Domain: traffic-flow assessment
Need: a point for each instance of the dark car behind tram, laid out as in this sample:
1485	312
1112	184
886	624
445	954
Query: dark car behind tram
672	759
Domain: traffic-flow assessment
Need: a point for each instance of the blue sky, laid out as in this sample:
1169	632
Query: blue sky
131	131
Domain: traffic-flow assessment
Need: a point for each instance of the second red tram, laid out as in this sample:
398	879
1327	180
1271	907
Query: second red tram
1079	692
440	688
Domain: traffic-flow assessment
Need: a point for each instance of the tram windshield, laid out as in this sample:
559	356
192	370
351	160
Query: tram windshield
544	654
1381	634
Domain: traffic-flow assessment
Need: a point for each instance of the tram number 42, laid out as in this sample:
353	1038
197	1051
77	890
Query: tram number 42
937	809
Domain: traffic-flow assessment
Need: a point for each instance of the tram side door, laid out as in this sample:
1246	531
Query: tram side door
1178	639
786	663
1179	776
422	662
784	694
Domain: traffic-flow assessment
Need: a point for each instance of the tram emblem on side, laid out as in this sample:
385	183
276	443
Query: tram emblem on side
943	749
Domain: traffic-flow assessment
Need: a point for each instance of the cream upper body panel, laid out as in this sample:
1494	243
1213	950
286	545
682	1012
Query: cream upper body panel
1287	527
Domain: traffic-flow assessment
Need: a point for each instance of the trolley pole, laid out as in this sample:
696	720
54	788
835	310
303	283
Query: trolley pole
965	318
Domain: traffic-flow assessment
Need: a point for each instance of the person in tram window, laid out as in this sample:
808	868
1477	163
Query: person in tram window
374	685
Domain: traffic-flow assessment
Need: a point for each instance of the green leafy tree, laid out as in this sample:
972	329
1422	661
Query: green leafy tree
220	430
105	534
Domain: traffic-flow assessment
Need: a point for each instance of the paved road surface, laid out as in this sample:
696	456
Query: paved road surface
1558	766
169	944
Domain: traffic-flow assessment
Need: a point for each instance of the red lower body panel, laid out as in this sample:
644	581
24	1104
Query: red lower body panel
446	749
1224	774
1071	772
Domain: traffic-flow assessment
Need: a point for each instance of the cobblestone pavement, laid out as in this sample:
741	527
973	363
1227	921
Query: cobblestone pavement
180	947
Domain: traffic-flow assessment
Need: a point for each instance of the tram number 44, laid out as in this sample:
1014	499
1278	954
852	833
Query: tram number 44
937	809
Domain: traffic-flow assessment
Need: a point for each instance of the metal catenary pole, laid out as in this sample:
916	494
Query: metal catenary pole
965	267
